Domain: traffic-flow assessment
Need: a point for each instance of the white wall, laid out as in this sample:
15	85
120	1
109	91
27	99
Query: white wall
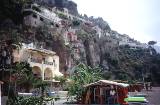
30	21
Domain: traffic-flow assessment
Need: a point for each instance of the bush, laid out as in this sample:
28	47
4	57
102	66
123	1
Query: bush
75	23
20	100
61	15
25	101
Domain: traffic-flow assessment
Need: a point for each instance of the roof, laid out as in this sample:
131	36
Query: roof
107	82
44	51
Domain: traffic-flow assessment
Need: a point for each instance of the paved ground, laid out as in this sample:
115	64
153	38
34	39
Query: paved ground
153	96
60	102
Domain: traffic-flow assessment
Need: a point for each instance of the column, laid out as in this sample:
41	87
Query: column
43	75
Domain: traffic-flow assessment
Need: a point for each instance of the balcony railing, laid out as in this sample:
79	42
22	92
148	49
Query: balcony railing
35	60
48	63
48	78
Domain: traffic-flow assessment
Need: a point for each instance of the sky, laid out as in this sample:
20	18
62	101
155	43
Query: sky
140	19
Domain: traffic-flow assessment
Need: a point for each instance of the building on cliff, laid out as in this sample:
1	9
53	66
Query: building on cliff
60	4
35	15
44	63
126	40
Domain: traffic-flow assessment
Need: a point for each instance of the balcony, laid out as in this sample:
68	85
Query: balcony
35	60
48	63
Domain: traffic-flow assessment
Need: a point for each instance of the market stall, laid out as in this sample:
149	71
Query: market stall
105	92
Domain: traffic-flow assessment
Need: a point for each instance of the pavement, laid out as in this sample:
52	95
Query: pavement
153	96
60	102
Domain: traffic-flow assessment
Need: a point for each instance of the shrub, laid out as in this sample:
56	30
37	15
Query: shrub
75	23
61	15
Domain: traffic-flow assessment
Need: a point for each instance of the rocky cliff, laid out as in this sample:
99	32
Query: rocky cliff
91	41
70	5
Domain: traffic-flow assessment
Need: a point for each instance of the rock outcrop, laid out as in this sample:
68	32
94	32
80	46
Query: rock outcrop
70	5
88	40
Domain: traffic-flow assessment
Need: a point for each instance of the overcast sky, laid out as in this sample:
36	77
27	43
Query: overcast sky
140	19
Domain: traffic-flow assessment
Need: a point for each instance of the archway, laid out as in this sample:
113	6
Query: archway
37	72
48	74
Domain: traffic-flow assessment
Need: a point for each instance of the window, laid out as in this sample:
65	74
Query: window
34	15
52	23
54	63
28	6
76	51
41	19
36	9
57	25
26	13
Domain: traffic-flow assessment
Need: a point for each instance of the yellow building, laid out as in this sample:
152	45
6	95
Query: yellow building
44	63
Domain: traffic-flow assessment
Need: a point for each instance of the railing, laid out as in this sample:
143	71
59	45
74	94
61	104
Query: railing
48	78
48	63
35	60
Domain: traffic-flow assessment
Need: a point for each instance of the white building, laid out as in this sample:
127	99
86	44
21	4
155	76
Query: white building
44	63
35	15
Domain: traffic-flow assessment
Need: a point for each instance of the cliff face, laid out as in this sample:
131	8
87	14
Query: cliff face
70	5
91	42
121	62
92	53
10	10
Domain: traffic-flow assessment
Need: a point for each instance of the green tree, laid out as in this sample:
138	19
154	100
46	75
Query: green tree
61	79
76	23
22	72
82	75
152	42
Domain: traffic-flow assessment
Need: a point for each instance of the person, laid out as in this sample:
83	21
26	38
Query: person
146	86
150	85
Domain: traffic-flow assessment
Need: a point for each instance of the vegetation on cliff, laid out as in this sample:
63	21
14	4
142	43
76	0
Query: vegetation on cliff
117	62
81	76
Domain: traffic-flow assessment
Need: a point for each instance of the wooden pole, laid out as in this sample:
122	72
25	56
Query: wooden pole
117	95
94	94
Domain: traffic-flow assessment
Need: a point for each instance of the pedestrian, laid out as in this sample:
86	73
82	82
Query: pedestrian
150	85
146	86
